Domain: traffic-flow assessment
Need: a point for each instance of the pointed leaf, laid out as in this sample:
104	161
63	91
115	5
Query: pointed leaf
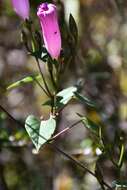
84	100
88	123
23	81
73	28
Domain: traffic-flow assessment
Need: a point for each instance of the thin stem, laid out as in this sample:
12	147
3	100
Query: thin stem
102	186
59	150
65	130
41	86
50	69
46	86
58	73
122	149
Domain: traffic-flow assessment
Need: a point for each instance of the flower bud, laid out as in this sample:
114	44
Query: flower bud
22	8
47	14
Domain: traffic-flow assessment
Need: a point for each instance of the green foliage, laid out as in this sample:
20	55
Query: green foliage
120	185
73	29
89	124
23	81
40	131
67	94
63	97
84	100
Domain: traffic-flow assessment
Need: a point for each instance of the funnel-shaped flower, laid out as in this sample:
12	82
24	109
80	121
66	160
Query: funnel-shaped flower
47	14
22	8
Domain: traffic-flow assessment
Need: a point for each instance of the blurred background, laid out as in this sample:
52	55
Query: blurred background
99	64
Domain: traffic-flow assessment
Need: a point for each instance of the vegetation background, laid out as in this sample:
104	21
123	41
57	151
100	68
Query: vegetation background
100	65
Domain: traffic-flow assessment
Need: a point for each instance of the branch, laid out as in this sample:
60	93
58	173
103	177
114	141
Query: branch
56	148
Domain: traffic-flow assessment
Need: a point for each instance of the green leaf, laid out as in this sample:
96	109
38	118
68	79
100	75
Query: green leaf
86	143
40	131
32	125
47	128
62	98
84	100
120	185
88	123
23	81
66	94
73	28
48	103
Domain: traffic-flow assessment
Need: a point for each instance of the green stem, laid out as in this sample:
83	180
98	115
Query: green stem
50	69
65	130
53	146
41	86
46	86
121	156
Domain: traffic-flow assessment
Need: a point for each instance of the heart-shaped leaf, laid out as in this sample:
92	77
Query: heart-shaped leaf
40	131
32	125
47	129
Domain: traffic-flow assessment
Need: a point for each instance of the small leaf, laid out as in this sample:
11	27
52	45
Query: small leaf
62	98
48	103
88	123
84	100
120	185
23	81
67	94
40	132
41	54
73	28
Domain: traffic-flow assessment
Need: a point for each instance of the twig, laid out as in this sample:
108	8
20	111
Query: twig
65	130
41	86
53	146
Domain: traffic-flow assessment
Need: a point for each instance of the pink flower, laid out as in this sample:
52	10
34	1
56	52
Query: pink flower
47	14
22	8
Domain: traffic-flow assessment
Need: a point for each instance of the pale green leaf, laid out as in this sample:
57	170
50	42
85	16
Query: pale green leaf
47	129
40	131
66	94
120	185
23	81
32	125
